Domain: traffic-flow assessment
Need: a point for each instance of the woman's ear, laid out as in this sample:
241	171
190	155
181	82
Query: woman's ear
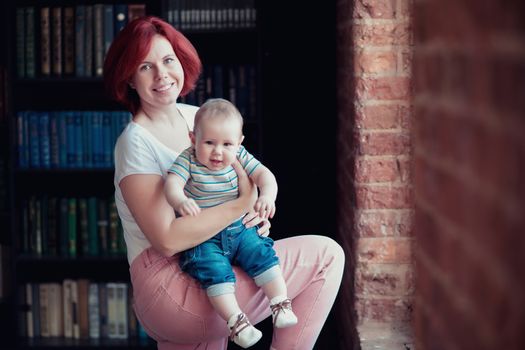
131	85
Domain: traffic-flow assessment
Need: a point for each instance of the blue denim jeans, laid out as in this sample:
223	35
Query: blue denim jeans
211	262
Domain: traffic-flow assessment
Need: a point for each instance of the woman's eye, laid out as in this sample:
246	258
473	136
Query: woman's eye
169	60
145	67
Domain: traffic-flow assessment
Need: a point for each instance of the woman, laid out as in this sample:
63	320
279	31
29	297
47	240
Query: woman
148	66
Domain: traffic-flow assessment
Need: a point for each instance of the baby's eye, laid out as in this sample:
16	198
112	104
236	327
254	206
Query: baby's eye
228	144
208	142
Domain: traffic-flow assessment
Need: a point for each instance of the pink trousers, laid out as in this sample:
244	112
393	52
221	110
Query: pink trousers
175	310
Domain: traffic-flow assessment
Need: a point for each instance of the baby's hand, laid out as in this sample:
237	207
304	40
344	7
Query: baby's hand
188	207
265	207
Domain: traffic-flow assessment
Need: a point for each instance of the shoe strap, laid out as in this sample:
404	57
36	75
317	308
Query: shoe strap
284	305
241	324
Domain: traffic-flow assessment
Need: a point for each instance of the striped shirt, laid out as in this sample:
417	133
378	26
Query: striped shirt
208	187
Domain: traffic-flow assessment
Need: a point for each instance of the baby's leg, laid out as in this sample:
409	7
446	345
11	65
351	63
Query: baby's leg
257	257
276	291
242	331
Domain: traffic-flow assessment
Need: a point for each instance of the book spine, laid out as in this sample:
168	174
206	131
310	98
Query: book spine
72	227
122	310
56	40
44	140
80	33
88	42
30	54
45	42
98	15
20	42
69	40
68	308
112	310
94	311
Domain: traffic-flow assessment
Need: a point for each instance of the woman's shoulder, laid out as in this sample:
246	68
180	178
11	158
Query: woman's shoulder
132	137
188	112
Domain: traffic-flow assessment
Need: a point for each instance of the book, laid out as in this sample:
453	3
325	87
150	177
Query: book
98	52
80	40
72	227
121	17
44	311
20	42
93	237
103	309
56	323
111	289
94	311
30	326
30	42
68	307
44	139
122	310
56	40
69	40
88	42
136	11
109	26
45	42
83	308
83	226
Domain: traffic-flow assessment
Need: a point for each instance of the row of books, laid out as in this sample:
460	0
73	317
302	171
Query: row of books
70	227
77	309
236	83
68	139
188	15
70	40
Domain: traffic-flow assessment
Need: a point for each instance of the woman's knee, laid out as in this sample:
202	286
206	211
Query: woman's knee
331	248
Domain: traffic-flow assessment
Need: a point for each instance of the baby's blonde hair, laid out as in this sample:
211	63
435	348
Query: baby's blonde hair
217	107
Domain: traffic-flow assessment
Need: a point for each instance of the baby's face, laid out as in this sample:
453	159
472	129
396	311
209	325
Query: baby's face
217	142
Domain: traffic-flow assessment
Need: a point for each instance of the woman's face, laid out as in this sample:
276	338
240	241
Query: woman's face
159	78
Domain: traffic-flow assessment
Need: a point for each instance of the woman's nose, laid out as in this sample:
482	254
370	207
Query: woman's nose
161	73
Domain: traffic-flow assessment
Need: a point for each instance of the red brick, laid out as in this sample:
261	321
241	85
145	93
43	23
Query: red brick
378	143
383	279
384	223
384	250
382	34
385	88
384	116
383	197
406	63
394	311
375	62
381	170
385	9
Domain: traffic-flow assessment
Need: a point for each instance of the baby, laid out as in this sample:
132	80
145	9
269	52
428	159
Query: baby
201	177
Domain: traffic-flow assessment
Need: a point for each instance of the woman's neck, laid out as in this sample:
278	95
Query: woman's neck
168	116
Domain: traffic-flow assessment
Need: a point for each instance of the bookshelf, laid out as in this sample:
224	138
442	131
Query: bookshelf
61	183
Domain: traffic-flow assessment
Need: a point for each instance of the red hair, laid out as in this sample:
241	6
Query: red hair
130	48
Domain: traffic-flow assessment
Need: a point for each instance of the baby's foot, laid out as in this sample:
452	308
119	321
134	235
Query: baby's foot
242	332
282	314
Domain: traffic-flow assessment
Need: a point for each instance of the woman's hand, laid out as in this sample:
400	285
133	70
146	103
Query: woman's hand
253	219
247	189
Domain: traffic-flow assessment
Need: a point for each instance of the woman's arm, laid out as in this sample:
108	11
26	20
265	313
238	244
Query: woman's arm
144	196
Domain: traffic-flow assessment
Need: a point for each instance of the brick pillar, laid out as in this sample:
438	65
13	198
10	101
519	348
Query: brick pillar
375	205
470	174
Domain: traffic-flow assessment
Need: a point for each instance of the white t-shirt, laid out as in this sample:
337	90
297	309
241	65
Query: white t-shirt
137	151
